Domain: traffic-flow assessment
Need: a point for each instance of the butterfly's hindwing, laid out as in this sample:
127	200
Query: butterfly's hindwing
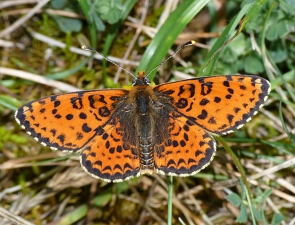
188	149
111	155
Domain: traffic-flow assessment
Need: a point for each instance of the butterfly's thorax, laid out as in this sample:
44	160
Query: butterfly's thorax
143	97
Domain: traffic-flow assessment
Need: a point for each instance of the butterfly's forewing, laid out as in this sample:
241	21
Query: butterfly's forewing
219	104
188	149
68	121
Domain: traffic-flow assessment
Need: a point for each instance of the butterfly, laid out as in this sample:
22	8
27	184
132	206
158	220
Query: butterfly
165	129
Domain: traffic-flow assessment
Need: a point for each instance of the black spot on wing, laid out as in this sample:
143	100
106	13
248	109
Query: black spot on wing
104	111
182	103
61	138
230	90
236	109
82	116
228	96
226	83
76	103
242	87
69	116
217	99
230	118
204	102
56	103
206	88
203	115
212	120
86	128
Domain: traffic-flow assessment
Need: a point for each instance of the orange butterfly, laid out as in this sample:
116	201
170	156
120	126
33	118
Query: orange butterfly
165	129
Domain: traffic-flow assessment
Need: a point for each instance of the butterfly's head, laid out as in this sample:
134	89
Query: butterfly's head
141	79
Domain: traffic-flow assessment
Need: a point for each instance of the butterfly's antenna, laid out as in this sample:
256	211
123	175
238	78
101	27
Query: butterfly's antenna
88	48
192	42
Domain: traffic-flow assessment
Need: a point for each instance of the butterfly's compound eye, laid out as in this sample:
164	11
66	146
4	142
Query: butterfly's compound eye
147	81
134	81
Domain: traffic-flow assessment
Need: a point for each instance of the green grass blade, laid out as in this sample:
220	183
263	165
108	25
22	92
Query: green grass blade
236	162
92	29
9	102
168	33
128	5
170	196
74	216
290	135
67	73
250	8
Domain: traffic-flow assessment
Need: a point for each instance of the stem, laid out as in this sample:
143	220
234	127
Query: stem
237	163
170	196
